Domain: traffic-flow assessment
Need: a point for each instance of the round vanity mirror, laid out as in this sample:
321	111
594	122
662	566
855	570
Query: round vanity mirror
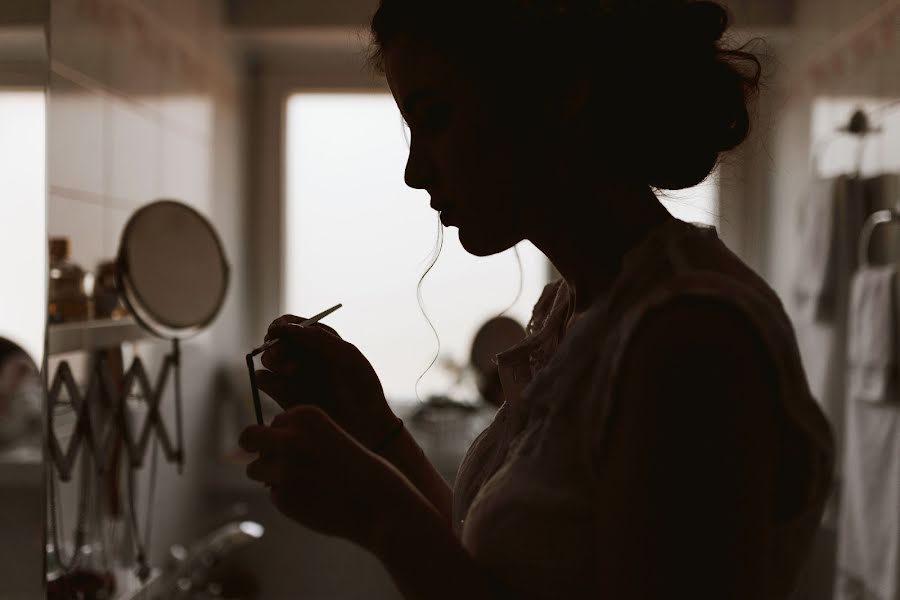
172	269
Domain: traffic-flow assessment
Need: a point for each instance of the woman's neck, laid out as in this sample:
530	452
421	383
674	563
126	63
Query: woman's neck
587	241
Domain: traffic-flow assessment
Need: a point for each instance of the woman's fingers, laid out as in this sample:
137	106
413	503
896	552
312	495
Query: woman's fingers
294	321
295	438
311	338
303	348
310	420
314	433
290	393
265	440
268	469
289	431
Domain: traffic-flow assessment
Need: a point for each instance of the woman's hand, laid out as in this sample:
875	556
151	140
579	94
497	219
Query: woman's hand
314	366
325	480
322	478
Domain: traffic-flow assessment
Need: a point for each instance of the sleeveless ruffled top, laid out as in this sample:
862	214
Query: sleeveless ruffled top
526	490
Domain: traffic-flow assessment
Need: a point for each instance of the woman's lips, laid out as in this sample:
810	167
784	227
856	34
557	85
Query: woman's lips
447	218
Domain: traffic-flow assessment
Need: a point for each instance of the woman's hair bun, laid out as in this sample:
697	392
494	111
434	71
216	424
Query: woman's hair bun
705	22
707	111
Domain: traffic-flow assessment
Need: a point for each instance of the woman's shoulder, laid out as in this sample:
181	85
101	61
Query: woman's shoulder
712	312
697	339
682	286
693	269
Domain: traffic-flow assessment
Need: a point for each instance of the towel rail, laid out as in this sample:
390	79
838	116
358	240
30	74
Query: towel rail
881	217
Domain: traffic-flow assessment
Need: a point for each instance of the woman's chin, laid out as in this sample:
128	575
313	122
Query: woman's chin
481	245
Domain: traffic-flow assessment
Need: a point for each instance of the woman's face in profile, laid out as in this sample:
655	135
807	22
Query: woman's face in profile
468	162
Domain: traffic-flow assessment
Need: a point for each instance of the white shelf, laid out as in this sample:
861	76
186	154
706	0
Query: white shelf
93	335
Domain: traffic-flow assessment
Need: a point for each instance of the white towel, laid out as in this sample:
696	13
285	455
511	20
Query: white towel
869	523
816	268
869	526
871	356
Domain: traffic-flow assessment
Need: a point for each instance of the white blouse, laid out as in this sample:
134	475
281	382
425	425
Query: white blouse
526	494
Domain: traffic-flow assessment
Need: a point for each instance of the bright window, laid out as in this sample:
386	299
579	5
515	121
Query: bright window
356	234
23	210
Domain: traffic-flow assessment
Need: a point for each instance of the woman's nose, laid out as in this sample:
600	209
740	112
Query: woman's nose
418	169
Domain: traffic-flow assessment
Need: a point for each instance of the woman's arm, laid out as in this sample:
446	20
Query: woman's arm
406	455
425	558
690	457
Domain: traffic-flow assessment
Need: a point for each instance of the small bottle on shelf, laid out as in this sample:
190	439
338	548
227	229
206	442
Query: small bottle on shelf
107	301
66	294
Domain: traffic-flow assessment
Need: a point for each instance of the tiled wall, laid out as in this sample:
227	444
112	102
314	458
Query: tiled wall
132	106
145	103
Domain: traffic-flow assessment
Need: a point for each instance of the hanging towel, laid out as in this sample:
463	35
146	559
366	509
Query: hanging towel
869	523
816	273
823	341
871	353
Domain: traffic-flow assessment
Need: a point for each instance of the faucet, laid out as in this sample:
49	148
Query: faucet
188	573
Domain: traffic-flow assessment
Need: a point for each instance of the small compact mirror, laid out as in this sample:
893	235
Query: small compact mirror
172	269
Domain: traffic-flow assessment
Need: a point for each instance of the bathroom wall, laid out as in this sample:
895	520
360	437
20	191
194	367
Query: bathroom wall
838	48
145	102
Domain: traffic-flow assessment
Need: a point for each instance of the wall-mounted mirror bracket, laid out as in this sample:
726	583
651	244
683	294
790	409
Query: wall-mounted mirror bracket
98	431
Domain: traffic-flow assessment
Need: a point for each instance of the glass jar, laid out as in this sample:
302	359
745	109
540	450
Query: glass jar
66	294
107	301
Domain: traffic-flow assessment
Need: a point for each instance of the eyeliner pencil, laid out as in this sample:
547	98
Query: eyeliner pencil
257	407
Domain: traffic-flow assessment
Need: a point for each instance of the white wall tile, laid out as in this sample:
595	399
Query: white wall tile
114	220
82	223
76	149
189	113
186	173
134	156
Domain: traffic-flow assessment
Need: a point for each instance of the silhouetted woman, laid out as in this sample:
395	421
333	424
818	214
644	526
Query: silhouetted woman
658	438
